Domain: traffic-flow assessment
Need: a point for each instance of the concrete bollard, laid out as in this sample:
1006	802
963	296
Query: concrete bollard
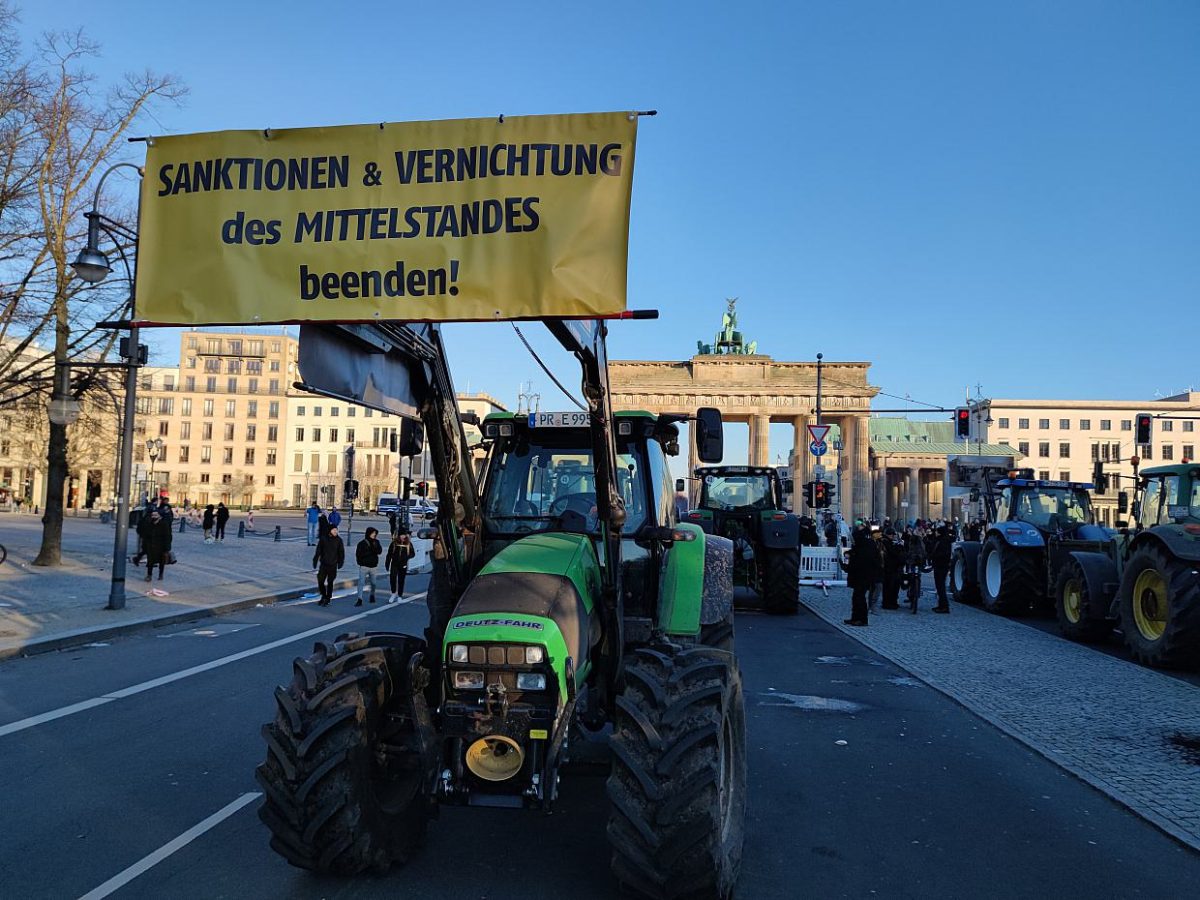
278	533
241	529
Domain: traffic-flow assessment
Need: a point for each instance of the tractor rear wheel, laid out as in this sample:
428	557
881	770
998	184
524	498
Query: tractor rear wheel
677	791
329	802
719	634
781	582
1009	580
964	584
1160	608
1073	607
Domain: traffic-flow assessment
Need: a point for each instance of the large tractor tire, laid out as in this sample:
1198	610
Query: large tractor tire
1160	608
781	582
964	583
677	790
1074	607
719	635
1009	579
329	804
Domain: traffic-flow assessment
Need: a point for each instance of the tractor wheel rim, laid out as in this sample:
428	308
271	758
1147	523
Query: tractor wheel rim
995	575
725	780
958	572
1072	601
1150	604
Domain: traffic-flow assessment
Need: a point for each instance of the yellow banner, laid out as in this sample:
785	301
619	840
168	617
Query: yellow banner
457	220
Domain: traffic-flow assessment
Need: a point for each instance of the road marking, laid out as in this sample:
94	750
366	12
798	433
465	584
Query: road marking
121	879
64	711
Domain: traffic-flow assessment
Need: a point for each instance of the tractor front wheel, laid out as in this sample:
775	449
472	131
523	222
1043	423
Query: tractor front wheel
1073	607
1008	577
677	791
781	582
336	800
963	583
1160	608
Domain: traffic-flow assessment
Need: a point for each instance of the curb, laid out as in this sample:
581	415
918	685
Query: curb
1166	826
67	639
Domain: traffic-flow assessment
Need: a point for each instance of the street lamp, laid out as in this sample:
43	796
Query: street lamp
92	266
154	450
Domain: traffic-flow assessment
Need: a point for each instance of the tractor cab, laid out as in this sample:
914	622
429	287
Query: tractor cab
1049	507
1170	496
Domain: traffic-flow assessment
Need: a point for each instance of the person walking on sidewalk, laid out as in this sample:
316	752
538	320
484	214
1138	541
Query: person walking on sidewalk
367	554
328	558
222	519
313	518
940	557
335	517
893	568
862	571
400	551
155	532
209	521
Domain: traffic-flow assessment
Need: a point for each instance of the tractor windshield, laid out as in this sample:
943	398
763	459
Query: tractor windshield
535	485
1047	508
727	492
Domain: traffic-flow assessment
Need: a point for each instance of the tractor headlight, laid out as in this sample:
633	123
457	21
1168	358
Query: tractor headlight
468	681
531	681
458	653
534	655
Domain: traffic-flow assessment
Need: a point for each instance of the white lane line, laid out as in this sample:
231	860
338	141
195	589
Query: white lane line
121	879
121	694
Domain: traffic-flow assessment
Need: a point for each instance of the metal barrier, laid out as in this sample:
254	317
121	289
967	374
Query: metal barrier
276	535
819	566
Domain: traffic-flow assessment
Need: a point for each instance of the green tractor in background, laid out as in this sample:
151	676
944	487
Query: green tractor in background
565	601
745	505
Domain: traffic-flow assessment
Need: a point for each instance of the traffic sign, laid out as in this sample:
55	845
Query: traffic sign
818	432
818	448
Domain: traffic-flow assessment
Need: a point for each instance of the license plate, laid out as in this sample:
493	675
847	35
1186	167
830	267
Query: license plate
558	420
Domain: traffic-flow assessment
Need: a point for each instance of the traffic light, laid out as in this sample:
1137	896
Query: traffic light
350	489
1099	478
830	493
962	422
808	493
819	497
1142	423
422	488
412	437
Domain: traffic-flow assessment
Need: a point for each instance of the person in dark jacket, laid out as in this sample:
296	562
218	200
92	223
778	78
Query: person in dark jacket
367	554
222	519
893	568
210	519
863	568
328	558
400	551
940	557
155	532
808	532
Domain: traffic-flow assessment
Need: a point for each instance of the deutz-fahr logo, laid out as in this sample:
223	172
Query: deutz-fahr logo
536	626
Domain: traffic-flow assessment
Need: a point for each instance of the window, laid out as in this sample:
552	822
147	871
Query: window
299	410
210	385
1023	448
274	387
270	480
235	346
251	409
350	435
233	367
1187	426
1044	449
143	406
1044	475
227	456
273	410
206	431
163	427
166	405
226	478
193	343
1044	424
212	365
316	434
1064	424
367	413
205	454
333	465
275	346
168	382
1167	425
316	462
230	409
254	367
1147	452
1085	424
273	433
1005	443
191	362
271	458
229	431
213	345
1003	422
249	456
333	435
1127	424
189	383
1168	452
352	411
1023	424
298	462
299	434
203	480
1064	476
187	406
1189	453
183	454
1106	424
316	410
333	410
231	385
1064	450
185	430
274	365
252	387
256	348
251	432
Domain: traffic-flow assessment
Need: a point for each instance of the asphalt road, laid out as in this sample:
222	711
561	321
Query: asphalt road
862	781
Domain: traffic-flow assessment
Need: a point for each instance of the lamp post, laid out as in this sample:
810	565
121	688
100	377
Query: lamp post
154	450
93	267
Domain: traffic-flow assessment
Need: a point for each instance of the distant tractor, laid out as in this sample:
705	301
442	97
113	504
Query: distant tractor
746	505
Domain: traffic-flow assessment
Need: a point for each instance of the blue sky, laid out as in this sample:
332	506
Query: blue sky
957	192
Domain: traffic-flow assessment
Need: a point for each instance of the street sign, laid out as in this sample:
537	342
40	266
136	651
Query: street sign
818	448
818	432
818	472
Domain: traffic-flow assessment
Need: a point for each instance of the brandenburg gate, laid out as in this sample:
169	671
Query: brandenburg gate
749	387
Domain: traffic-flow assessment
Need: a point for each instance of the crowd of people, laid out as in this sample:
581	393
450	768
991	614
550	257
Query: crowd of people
330	556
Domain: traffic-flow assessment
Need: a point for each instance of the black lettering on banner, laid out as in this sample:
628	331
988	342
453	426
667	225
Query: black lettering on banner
399	281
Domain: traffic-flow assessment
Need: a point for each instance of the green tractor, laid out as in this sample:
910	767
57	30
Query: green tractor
745	504
565	603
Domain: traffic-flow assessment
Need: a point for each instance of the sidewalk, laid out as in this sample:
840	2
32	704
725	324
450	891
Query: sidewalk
47	608
1129	731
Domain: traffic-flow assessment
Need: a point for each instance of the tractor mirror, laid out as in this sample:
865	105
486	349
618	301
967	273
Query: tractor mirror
680	485
1123	502
709	437
1137	510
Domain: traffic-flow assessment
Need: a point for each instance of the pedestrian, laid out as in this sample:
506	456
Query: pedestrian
682	505
400	551
335	517
876	593
940	557
893	568
312	516
914	559
250	519
222	519
208	522
330	556
861	564
367	554
808	532
155	532
164	508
